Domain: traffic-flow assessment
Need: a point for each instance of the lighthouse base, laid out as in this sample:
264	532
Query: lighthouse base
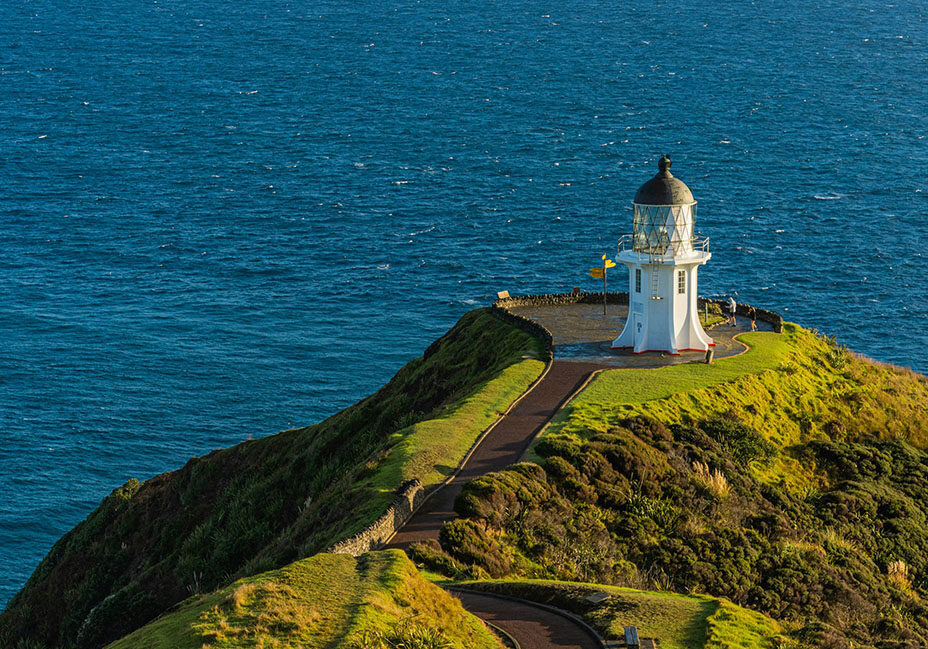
662	311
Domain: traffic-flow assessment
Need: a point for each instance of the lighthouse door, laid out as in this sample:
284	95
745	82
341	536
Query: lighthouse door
638	321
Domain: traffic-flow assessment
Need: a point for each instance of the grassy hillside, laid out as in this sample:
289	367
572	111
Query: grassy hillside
325	601
677	621
795	487
267	502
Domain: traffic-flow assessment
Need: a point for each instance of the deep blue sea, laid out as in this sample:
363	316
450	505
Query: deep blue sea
220	220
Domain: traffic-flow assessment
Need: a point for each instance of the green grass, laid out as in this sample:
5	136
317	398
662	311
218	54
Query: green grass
791	387
766	351
320	602
676	621
734	627
431	450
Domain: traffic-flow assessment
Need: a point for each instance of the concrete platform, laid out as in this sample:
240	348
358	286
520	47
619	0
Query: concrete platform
582	333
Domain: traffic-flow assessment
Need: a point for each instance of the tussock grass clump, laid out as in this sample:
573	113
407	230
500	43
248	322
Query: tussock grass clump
898	573
406	634
714	480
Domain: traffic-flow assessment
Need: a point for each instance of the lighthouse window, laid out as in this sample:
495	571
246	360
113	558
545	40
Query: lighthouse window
681	281
637	280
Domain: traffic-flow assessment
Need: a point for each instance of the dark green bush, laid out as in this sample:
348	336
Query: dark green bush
740	441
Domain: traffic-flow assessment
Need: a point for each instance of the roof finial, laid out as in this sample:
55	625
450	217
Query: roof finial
664	163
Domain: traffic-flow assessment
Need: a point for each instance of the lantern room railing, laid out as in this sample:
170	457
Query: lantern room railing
658	247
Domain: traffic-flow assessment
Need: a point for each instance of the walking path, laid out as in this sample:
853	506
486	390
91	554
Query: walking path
532	627
582	345
502	446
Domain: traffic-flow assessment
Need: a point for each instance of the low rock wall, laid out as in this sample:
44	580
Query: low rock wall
409	496
553	299
530	326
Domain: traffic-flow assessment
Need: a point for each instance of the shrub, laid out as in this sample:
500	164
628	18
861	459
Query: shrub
742	442
468	542
430	554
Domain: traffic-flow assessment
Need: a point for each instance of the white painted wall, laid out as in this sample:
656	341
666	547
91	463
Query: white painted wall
671	323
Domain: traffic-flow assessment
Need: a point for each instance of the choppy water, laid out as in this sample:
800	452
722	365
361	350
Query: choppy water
225	219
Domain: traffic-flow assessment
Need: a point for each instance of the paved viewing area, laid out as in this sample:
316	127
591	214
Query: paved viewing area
582	333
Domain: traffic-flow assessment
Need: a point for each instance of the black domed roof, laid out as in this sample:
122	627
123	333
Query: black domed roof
664	189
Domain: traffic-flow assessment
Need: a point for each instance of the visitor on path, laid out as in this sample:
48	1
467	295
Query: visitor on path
752	314
732	308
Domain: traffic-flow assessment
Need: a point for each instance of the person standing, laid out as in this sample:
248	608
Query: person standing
732	308
752	314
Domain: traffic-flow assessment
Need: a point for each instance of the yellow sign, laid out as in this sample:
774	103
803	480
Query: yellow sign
596	273
609	263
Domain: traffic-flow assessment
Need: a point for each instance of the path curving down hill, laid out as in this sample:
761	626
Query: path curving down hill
503	445
531	626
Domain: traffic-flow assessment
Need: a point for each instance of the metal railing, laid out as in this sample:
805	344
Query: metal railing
641	245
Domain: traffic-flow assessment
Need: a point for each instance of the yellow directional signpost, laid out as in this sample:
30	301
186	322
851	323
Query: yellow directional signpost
600	273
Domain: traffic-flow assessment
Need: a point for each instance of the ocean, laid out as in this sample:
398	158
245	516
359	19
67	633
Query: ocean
221	220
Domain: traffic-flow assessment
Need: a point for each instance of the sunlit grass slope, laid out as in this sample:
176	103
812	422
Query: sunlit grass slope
676	621
432	449
327	600
267	502
792	388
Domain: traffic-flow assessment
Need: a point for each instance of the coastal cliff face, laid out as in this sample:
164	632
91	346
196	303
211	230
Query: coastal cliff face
243	510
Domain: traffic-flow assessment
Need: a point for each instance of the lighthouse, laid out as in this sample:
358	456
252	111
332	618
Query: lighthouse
663	254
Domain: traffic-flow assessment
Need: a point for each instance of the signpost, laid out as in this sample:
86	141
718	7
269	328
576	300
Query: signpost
600	273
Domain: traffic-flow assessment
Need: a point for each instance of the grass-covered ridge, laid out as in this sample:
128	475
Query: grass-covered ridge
792	388
267	502
817	389
677	621
796	490
325	601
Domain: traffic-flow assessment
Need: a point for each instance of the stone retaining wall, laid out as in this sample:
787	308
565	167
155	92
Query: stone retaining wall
409	496
561	298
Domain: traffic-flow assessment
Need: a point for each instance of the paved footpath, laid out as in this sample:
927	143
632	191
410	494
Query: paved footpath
532	627
503	446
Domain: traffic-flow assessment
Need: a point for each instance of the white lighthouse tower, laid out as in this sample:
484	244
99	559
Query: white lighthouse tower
663	254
